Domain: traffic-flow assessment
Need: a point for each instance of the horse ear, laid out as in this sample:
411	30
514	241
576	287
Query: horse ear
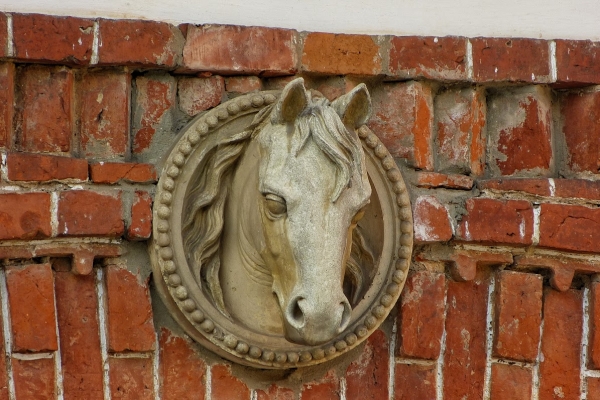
354	108
293	100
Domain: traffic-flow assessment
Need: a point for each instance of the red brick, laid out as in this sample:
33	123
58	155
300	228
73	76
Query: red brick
594	345
518	315
567	227
339	54
581	132
227	386
593	388
140	227
510	382
519	130
559	368
104	113
440	58
464	263
25	216
182	369
3	371
130	326
577	62
86	213
131	378
327	388
414	382
113	172
236	49
497	221
431	220
460	117
7	95
577	188
403	120
537	186
77	309
31	300
199	94
421	321
511	59
139	43
39	167
432	180
155	101
34	379
243	84
43	120
367	376
464	359
275	392
47	38
3	35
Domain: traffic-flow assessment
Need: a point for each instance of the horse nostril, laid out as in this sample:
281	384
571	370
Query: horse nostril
346	314
295	313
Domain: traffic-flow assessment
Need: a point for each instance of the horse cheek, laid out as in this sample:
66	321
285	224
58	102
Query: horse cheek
279	256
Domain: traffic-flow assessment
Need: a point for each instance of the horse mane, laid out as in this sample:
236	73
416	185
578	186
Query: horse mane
205	201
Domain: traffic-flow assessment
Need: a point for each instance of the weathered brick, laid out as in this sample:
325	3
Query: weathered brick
131	378
577	62
421	316
139	43
537	186
182	370
243	84
34	379
594	344
41	167
48	38
43	111
518	315
403	120
432	180
275	392
559	368
227	386
519	133
413	381
130	326
113	172
3	371
577	188
236	49
593	388
77	309
103	114
570	227
153	112
580	128
367	376
512	221
464	359
7	95
510	382
3	35
441	58
25	216
140	227
431	220
460	117
86	213
31	300
327	388
339	54
199	94
511	59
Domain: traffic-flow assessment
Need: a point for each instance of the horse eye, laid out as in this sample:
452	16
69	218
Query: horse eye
275	204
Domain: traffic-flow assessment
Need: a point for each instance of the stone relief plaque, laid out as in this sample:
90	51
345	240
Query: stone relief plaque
282	228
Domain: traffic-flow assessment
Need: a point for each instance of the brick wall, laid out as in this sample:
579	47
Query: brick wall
500	145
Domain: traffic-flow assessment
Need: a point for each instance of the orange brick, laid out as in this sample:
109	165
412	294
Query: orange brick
227	386
87	213
570	227
199	94
414	382
25	216
41	167
431	220
131	378
367	376
577	62
327	388
34	379
113	172
140	227
510	382
7	96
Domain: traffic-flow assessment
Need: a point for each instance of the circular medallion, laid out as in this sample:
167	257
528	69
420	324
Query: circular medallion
282	233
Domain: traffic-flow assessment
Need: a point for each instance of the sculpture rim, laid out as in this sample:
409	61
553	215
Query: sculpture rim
199	318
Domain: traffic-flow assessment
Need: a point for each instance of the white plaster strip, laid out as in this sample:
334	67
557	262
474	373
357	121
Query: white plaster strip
592	373
439	382
553	68
469	59
392	359
521	364
489	339
132	355
253	394
54	213
102	328
535	240
208	392
3	167
156	369
416	361
32	356
94	58
585	335
552	187
535	387
57	356
7	334
343	388
10	47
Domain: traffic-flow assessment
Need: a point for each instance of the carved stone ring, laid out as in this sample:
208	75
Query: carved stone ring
282	229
